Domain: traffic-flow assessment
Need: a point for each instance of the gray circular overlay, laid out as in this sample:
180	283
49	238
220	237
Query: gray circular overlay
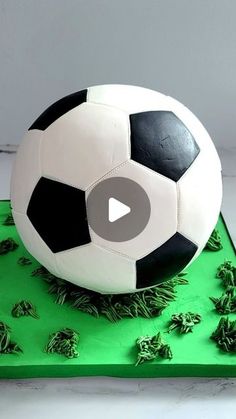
129	193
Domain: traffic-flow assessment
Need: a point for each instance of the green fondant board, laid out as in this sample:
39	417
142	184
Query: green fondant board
110	348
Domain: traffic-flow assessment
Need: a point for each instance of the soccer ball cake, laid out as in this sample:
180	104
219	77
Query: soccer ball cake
116	188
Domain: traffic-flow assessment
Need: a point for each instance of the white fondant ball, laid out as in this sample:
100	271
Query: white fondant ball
116	131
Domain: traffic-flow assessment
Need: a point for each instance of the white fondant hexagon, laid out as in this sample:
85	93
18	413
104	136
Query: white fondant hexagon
163	219
84	144
98	269
26	170
131	99
199	199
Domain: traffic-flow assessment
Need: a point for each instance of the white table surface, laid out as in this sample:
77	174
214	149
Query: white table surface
124	398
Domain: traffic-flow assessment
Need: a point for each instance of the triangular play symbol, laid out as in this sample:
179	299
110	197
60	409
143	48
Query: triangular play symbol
116	210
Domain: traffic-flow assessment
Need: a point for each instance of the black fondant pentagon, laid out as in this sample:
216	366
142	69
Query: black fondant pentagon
58	213
58	109
165	262
161	142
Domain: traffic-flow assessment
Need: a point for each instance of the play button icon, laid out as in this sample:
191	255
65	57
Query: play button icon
118	209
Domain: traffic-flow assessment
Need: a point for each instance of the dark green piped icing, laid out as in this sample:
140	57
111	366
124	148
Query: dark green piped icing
184	322
226	303
9	221
225	335
7	245
24	261
64	342
6	345
152	347
148	303
214	242
227	273
24	308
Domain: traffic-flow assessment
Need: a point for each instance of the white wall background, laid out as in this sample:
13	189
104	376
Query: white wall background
183	48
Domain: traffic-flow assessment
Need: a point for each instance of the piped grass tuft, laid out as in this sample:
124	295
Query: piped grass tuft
184	322
7	245
23	261
9	221
148	303
64	342
214	242
226	303
24	308
227	273
6	345
152	347
225	335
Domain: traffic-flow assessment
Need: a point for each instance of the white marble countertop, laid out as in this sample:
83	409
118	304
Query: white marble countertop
118	398
124	398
